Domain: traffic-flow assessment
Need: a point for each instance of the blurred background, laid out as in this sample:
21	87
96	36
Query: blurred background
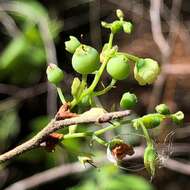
32	35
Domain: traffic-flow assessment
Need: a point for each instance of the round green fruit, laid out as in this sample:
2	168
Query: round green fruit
116	26
118	67
127	27
162	109
85	60
146	71
128	100
72	44
54	74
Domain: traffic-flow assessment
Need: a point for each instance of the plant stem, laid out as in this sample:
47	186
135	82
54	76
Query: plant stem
97	76
91	133
77	135
102	131
147	137
130	56
105	90
110	40
92	86
72	129
83	84
61	96
100	141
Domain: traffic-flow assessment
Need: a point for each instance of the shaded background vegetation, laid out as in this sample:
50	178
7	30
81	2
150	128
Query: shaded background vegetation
27	102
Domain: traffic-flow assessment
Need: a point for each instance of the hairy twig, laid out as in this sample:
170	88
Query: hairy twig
54	125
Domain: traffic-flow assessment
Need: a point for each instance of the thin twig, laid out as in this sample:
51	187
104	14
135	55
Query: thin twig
59	172
177	166
67	169
156	27
51	57
164	45
48	176
9	23
21	94
54	125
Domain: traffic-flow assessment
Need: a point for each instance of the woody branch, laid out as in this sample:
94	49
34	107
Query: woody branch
56	125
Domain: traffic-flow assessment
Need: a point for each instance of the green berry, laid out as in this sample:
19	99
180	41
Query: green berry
118	67
149	121
54	74
119	13
85	60
116	26
72	44
127	27
75	87
152	120
162	109
146	71
105	24
150	159
178	117
115	142
128	100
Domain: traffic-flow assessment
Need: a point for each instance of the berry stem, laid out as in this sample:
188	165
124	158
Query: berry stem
92	86
82	85
105	90
100	141
97	76
110	40
61	96
95	134
110	127
130	56
147	137
77	135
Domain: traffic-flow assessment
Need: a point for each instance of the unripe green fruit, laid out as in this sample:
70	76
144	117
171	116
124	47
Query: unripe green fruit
127	27
178	117
118	67
54	74
162	109
85	101
116	26
128	100
72	44
150	159
75	87
119	13
146	71
151	120
85	60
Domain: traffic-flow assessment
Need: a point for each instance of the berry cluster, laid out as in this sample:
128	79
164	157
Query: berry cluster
86	60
